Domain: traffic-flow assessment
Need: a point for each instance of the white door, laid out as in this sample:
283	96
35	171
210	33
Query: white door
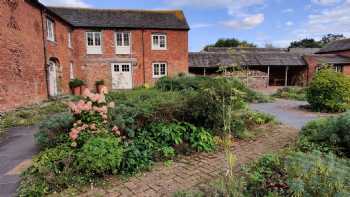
121	76
53	91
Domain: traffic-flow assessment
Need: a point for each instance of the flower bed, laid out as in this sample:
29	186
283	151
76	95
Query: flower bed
126	132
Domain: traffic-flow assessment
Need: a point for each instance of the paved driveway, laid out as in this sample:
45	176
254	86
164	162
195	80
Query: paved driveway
16	150
287	112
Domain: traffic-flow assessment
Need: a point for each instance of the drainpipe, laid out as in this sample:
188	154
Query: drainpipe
143	57
45	52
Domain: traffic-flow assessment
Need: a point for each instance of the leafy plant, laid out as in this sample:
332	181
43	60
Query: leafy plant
76	83
100	155
327	134
51	130
329	91
100	82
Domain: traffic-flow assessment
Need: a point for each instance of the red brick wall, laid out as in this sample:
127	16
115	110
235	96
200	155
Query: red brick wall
97	67
22	72
60	51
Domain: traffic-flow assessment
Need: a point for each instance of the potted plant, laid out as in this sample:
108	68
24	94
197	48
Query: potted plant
99	85
75	85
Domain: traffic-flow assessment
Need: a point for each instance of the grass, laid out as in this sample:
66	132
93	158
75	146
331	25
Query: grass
30	115
292	93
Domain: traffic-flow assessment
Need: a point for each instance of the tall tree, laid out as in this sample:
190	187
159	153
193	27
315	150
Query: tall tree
306	43
330	38
231	42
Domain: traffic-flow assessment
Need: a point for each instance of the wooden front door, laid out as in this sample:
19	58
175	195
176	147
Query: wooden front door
121	76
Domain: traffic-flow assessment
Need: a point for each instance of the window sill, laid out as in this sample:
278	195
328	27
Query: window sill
159	49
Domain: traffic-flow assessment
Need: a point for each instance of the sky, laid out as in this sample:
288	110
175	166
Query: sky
276	22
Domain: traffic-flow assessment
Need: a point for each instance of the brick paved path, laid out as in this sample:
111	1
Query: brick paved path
189	172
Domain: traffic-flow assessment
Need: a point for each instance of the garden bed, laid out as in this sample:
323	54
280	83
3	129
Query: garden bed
123	133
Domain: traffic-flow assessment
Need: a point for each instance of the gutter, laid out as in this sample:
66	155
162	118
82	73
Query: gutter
143	57
45	52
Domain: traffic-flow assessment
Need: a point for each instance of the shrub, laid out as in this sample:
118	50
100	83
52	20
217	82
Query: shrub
100	82
331	134
76	83
291	93
329	91
51	130
190	83
100	155
299	174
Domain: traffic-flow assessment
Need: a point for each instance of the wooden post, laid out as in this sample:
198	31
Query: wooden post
205	72
247	76
286	77
268	77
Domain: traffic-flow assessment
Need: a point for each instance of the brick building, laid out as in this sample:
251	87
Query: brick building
43	48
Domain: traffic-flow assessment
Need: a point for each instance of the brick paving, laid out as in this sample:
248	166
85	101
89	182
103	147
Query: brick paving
191	171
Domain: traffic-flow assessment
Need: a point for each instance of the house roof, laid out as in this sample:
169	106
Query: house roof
331	59
338	45
210	59
245	50
110	18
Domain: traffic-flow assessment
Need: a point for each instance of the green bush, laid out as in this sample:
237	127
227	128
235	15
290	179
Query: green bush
291	93
100	155
327	134
190	83
52	170
51	130
299	174
329	91
76	83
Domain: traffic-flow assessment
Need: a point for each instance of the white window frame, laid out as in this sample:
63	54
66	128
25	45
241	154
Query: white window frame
69	38
94	48
71	70
122	48
50	26
159	75
156	46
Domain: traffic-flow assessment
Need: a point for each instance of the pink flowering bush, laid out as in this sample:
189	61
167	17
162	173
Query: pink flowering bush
91	114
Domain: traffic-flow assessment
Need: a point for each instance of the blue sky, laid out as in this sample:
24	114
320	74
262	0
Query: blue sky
276	22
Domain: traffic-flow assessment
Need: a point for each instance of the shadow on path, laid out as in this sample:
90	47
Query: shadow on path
16	146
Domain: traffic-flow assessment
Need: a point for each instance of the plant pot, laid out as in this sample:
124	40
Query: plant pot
76	91
99	88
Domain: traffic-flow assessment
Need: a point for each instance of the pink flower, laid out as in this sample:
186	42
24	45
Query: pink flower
93	126
104	90
116	130
86	93
111	105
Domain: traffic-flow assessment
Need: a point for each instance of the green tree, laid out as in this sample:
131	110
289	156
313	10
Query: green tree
306	43
231	42
330	38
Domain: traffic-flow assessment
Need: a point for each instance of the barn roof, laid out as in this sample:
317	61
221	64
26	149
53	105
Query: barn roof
210	59
338	45
112	18
331	59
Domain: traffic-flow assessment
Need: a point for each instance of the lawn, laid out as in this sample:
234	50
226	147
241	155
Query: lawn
30	115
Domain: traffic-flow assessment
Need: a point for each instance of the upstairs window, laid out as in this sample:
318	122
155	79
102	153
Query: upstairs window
123	41
93	40
159	42
69	40
50	25
159	70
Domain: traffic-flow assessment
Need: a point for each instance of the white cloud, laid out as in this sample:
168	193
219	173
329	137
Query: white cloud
68	3
289	10
248	22
326	2
289	23
332	20
234	7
